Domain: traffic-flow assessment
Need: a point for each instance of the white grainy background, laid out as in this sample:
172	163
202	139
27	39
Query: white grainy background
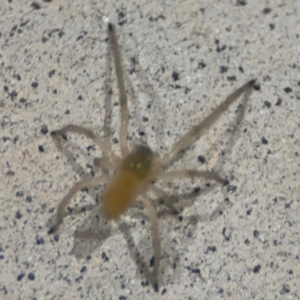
55	70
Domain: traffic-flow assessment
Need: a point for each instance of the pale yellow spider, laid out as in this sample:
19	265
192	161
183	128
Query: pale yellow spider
135	173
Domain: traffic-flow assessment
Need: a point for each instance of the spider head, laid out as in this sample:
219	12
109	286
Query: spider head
139	162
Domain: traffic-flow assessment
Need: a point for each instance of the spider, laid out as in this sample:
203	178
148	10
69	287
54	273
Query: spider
135	173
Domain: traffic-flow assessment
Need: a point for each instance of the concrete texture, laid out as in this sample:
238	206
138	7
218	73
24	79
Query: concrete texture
181	58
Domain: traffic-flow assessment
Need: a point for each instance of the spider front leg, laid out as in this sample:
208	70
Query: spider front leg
179	174
122	91
198	130
111	158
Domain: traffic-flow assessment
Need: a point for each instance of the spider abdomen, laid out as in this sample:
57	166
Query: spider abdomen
121	193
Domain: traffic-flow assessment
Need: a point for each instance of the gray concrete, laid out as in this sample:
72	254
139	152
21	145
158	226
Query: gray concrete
252	250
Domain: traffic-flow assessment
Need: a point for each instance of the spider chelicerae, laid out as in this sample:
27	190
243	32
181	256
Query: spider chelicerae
134	174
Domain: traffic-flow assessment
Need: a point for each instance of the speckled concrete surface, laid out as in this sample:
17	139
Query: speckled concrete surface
181	58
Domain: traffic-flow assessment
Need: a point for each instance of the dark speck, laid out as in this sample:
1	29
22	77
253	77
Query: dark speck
285	289
1	256
266	10
287	90
34	84
249	211
122	298
241	69
67	112
5	138
61	33
226	237
264	141
51	73
80	98
13	95
55	91
121	15
241	2
272	263
35	5
145	283
201	65
272	26
18	215
180	218
23	100
267	104
256	268
41	148
19	194
20	276
231	78
247	242
39	240
231	188
5	88
28	199
145	119
13	30
89	257
279	101
211	249
187	90
201	159
175	76
90	147
83	269
115	141
31	276
151	262
220	49
223	69
44	129
255	233
196	271
104	256
24	23
44	39
163	291
197	190
256	87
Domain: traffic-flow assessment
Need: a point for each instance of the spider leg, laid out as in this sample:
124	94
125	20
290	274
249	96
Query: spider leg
107	152
85	182
156	240
197	131
163	195
179	174
122	92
